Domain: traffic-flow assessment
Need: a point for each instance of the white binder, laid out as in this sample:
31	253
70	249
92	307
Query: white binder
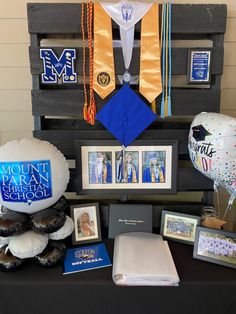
143	259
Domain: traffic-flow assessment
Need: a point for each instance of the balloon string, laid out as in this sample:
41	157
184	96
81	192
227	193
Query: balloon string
216	189
218	202
229	206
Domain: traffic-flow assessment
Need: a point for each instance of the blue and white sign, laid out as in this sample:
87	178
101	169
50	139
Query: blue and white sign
55	68
86	258
25	181
200	66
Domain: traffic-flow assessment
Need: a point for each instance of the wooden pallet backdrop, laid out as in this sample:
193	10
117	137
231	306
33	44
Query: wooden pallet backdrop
58	108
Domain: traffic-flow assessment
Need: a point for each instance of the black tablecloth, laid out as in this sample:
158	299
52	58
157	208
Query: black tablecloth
204	288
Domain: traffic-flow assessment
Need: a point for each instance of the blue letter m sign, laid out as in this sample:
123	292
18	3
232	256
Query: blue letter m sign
54	67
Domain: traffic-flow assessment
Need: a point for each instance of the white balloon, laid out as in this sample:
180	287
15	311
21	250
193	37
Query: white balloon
64	231
28	244
4	241
212	148
33	175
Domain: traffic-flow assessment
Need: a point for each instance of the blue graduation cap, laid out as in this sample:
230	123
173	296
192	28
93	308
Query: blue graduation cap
126	115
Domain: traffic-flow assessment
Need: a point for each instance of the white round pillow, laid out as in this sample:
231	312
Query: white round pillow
64	231
33	175
28	244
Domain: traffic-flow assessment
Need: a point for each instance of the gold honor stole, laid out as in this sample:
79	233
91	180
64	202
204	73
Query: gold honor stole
150	85
104	71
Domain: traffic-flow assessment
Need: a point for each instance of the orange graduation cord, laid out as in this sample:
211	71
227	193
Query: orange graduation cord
92	106
89	110
85	109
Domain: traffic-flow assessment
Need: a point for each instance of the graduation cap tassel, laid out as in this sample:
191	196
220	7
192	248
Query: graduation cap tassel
153	106
163	36
123	162
170	61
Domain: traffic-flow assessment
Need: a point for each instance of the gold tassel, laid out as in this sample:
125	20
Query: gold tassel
153	106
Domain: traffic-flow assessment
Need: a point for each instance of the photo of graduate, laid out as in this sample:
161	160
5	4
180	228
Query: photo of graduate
85	226
100	168
126	167
153	163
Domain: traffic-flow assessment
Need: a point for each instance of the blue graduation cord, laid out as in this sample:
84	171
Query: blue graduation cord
170	60
163	61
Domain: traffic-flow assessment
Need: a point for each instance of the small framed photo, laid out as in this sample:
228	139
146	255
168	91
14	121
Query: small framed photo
145	166
215	246
87	223
179	227
199	66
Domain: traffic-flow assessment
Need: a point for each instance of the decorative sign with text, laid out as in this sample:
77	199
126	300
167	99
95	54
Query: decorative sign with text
25	181
199	68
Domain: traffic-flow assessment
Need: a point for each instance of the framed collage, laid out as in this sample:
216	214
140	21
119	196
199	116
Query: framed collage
147	166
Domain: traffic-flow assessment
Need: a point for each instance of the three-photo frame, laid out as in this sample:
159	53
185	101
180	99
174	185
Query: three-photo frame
145	166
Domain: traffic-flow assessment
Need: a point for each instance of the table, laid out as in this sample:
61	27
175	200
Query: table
204	288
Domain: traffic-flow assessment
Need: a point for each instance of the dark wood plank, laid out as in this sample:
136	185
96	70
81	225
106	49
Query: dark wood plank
189	179
70	102
64	139
186	18
54	18
35	42
79	125
36	63
179	60
199	18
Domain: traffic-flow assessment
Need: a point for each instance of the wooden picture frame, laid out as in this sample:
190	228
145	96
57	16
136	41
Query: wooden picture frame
215	246
128	171
179	227
87	223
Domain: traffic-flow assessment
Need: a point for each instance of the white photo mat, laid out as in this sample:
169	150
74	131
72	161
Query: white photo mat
85	150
